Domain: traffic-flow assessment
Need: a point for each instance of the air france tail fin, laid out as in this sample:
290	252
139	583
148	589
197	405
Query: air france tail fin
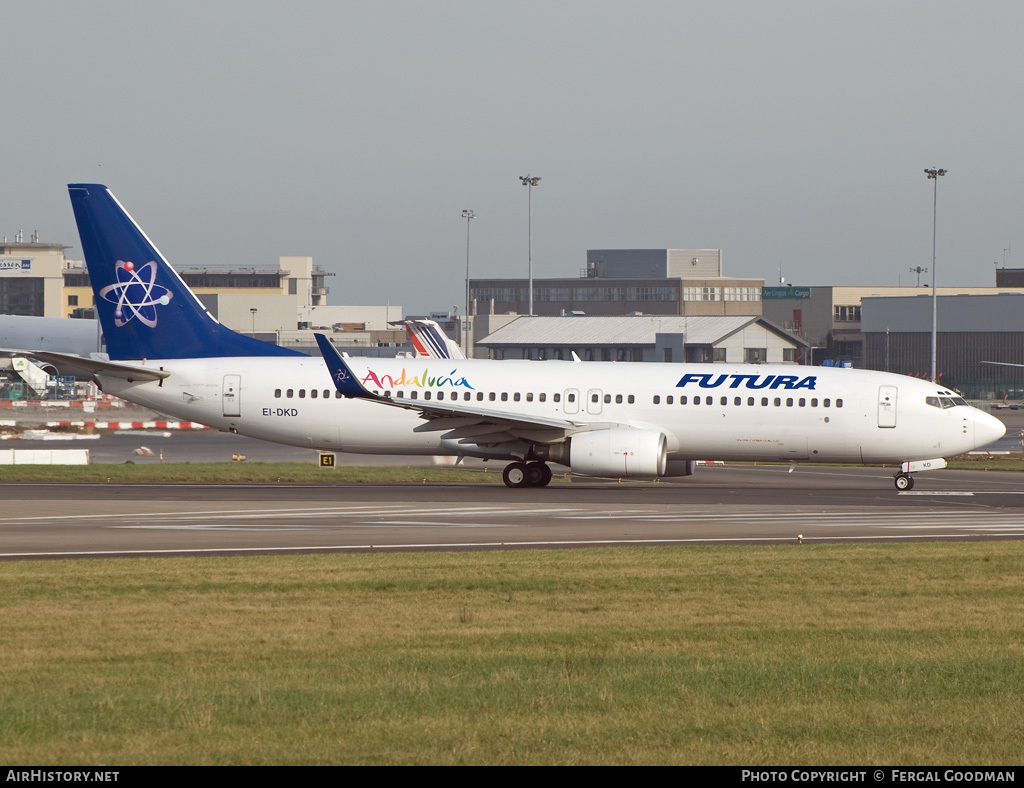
144	307
430	341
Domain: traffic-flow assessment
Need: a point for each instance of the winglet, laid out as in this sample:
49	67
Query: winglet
343	377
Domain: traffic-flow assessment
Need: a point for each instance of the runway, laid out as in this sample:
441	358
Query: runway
731	505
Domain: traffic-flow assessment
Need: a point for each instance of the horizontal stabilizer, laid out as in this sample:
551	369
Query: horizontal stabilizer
129	372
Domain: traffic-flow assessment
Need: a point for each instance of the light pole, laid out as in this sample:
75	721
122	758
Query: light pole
253	310
933	175
469	216
529	181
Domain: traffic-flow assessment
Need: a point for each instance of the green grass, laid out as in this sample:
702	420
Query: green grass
977	463
242	473
815	654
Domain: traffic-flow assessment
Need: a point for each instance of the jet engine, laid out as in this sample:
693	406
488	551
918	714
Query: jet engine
618	452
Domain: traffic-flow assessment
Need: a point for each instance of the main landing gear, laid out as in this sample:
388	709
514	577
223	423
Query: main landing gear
526	474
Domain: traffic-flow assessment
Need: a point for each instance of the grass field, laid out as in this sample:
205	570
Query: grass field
244	473
869	654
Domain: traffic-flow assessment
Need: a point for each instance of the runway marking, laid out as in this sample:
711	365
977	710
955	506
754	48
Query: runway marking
318	511
761	516
934	492
419	515
502	544
432	523
823	520
883	524
1017	524
563	512
306	527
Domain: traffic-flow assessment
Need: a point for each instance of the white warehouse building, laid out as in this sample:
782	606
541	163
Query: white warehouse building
735	339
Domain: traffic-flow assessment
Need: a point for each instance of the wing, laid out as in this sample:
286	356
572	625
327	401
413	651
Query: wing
467	423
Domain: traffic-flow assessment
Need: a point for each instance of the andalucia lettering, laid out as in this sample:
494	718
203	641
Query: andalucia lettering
423	380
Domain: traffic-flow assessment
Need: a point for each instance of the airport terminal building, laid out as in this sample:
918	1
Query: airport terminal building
829	319
623	281
972	329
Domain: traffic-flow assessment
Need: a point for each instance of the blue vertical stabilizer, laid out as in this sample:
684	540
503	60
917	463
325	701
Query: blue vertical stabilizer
144	307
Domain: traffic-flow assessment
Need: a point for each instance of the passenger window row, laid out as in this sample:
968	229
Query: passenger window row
800	402
313	394
466	396
504	396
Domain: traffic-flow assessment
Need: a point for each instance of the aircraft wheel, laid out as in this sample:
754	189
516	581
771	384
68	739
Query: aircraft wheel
539	474
516	475
904	481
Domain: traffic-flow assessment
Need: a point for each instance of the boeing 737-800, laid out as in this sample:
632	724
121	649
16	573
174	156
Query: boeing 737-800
602	419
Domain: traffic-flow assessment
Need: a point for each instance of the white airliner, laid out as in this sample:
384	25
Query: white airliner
601	419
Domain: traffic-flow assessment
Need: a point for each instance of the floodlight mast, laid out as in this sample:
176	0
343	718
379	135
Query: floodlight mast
933	175
529	181
469	216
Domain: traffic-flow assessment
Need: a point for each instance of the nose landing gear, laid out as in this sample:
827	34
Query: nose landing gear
903	479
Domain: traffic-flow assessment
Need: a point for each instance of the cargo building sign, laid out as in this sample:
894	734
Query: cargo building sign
785	292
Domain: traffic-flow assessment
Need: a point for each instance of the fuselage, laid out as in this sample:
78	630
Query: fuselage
705	411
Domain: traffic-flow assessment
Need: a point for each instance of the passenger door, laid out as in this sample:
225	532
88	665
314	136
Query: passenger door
887	406
232	395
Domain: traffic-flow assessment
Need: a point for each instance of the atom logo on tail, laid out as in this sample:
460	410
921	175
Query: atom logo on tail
135	294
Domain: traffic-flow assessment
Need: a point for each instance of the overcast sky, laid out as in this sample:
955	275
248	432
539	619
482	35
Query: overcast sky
785	133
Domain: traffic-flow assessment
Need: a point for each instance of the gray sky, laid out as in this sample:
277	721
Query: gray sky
785	133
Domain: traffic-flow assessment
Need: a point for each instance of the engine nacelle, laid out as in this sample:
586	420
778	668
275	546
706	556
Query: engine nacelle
680	467
618	452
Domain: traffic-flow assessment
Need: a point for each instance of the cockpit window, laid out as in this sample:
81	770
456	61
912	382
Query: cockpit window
945	402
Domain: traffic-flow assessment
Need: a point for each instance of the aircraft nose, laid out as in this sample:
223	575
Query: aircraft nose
987	428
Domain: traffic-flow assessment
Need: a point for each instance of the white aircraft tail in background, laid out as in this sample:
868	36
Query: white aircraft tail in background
430	341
